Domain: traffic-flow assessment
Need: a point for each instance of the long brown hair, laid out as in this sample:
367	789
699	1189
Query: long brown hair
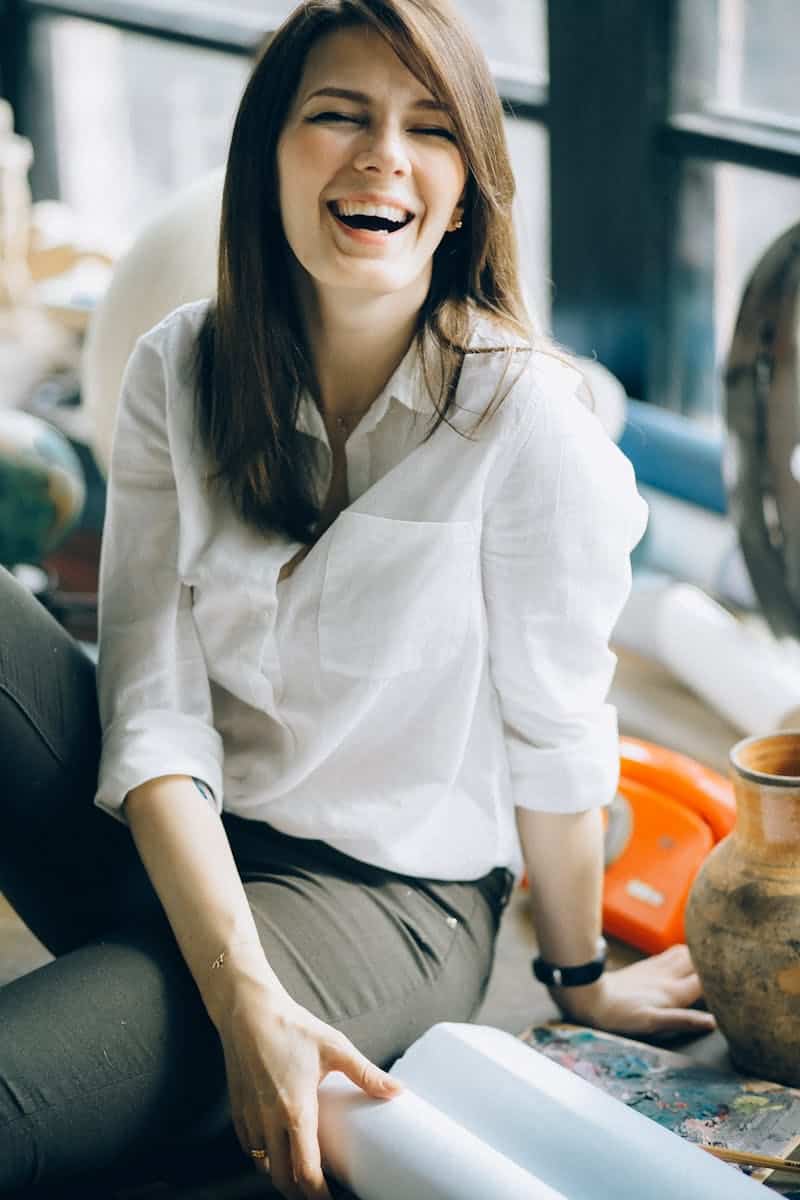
253	360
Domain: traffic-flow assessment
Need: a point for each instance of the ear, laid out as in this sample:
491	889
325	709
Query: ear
457	219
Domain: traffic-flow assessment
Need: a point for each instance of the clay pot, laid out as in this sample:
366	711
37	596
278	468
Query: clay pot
743	913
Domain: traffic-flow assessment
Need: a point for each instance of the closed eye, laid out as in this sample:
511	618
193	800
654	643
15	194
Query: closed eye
438	131
335	116
434	130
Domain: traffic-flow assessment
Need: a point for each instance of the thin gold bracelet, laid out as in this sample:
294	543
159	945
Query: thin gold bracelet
219	961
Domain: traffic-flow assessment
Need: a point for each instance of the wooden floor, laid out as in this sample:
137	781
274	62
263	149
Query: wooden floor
19	950
650	705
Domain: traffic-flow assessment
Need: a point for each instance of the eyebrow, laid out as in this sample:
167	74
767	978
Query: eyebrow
363	98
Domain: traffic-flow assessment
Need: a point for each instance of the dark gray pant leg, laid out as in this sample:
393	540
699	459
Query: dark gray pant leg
107	1055
65	866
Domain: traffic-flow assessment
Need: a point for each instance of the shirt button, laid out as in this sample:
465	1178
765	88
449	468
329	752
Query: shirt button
451	922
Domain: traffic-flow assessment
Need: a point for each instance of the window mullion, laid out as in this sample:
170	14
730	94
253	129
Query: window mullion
609	75
13	50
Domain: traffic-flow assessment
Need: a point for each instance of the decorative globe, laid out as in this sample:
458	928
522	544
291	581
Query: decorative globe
42	488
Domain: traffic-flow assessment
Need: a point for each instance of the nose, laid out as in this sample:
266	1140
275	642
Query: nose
382	151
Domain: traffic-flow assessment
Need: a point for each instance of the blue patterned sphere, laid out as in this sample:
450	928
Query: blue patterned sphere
42	488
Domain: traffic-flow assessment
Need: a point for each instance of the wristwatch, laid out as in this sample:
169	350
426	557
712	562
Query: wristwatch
589	972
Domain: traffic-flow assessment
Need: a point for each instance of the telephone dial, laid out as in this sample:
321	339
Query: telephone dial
668	814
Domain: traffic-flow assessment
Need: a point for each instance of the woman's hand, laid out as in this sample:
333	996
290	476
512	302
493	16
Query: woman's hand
276	1055
648	997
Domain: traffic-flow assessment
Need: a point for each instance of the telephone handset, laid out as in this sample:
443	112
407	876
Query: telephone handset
669	812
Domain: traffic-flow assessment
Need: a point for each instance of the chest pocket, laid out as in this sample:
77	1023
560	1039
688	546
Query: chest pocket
396	596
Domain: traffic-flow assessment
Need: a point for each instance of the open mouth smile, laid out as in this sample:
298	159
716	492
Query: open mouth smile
373	222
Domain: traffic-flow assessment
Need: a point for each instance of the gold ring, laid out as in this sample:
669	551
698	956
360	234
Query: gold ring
258	1154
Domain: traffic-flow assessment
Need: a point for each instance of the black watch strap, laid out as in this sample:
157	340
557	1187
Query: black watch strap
548	973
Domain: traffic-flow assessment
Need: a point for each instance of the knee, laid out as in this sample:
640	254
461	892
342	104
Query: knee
48	696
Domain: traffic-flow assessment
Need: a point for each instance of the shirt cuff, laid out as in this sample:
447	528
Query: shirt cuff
156	743
573	777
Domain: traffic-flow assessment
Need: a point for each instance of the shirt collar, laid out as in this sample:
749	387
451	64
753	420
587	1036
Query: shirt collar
406	385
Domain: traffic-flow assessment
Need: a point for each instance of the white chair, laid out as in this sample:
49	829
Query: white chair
172	261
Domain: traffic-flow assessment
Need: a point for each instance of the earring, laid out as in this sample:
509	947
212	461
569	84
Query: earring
457	225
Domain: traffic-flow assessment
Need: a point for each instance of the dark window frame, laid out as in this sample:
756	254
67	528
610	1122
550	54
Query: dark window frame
614	260
615	154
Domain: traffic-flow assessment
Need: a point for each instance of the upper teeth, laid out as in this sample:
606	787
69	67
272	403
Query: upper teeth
356	208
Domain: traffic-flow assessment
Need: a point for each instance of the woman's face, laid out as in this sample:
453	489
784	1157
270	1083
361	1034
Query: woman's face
369	172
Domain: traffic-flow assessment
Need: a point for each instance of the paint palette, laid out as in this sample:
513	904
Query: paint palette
699	1103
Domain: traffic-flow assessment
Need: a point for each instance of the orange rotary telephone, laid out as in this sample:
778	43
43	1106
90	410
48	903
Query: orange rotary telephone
668	813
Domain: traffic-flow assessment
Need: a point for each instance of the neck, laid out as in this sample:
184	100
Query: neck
357	340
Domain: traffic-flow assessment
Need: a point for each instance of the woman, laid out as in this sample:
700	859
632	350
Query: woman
363	551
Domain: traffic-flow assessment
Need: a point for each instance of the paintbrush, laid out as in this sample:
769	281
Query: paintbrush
745	1159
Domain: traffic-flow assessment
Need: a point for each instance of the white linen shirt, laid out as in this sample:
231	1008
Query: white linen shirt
439	656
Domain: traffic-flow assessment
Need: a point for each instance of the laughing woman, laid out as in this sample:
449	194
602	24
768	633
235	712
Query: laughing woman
363	552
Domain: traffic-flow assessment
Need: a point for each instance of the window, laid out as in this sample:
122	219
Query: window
148	117
645	136
513	35
735	74
718	244
738	58
151	115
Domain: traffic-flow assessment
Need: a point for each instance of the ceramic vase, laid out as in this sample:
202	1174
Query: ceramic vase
743	913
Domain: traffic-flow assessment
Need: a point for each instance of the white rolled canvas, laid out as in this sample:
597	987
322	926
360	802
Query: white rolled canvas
477	1098
405	1148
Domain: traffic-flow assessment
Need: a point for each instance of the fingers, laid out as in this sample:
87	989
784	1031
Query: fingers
279	1112
305	1155
248	1137
676	959
679	1020
672	972
281	1171
684	992
371	1079
291	1138
678	977
292	1159
295	1165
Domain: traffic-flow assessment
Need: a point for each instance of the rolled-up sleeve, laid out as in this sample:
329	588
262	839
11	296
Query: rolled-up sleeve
153	688
557	540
